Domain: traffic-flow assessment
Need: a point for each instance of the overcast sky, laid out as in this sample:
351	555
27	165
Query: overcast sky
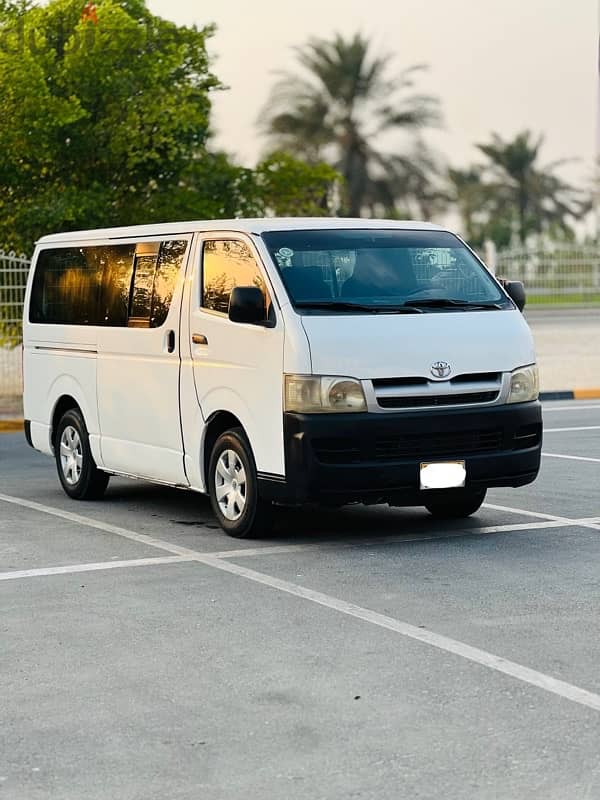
500	65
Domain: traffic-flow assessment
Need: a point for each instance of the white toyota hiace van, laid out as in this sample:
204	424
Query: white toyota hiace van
280	361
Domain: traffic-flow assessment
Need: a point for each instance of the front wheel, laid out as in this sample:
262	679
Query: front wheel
456	503
233	487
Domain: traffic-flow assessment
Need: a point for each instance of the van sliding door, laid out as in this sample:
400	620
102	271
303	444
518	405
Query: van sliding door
139	366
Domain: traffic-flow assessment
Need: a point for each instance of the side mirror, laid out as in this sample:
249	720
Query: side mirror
247	304
516	291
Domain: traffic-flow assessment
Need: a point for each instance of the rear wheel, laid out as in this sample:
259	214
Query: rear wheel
233	487
456	503
80	477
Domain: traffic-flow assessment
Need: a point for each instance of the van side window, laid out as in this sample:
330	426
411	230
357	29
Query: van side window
82	286
170	262
155	275
227	264
109	285
142	289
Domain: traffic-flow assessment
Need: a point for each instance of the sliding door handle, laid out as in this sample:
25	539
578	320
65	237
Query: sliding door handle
171	341
198	338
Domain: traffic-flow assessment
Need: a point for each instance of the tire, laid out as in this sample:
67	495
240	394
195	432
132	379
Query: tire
77	471
456	503
233	487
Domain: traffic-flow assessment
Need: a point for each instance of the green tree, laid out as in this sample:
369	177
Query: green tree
528	197
339	108
105	120
288	187
97	121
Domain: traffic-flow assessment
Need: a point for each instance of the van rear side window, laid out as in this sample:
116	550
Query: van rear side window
108	285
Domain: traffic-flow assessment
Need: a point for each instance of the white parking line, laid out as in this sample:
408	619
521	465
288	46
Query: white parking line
566	521
566	430
577	406
77	568
141	538
489	660
496	663
105	527
252	552
571	458
526	513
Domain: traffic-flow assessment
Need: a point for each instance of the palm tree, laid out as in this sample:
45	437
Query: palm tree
338	109
535	197
483	211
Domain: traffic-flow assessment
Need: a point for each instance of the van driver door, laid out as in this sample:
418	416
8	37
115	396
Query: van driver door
238	367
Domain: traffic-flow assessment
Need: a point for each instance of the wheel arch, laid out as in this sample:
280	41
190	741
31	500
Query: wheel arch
64	403
217	423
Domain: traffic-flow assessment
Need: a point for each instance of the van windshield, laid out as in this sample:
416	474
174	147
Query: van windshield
381	270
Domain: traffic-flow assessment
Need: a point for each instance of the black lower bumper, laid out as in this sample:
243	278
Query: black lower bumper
340	458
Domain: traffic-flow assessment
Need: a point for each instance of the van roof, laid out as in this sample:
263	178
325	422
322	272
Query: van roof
256	226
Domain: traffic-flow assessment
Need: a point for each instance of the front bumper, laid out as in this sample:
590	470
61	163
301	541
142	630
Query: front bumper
371	458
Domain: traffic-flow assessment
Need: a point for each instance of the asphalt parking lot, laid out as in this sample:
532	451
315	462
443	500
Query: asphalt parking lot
367	653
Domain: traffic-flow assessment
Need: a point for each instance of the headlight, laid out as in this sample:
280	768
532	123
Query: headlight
524	385
319	394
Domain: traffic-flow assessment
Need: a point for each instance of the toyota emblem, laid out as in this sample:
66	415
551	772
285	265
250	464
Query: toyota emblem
441	369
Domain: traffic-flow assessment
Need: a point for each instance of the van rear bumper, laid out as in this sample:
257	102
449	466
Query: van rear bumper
371	458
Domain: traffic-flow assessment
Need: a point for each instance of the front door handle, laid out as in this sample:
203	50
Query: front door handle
198	338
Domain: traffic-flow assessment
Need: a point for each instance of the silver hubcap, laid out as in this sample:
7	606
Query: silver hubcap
230	485
71	455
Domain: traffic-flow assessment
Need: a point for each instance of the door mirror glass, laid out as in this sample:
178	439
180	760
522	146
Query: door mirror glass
247	304
516	291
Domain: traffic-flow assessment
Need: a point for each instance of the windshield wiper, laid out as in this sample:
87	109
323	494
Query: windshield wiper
343	306
445	302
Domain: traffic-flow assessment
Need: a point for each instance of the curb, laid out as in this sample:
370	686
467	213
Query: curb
573	394
11	425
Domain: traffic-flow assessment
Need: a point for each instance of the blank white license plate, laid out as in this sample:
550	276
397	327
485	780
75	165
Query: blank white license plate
443	475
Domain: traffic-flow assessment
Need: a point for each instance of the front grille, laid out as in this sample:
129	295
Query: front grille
337	451
453	443
383	383
410	445
437	400
419	392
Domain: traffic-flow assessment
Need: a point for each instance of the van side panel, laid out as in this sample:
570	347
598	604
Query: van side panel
58	364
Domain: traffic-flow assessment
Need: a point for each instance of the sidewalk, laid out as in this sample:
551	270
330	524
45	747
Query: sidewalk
568	347
11	408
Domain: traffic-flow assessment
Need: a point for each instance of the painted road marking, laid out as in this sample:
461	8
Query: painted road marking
489	660
571	458
105	527
526	513
252	552
581	522
574	407
566	430
141	538
105	565
493	662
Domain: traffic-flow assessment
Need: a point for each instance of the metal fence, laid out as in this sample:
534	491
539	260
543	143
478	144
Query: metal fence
562	274
13	278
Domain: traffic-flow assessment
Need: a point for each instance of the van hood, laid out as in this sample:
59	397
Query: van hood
397	346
